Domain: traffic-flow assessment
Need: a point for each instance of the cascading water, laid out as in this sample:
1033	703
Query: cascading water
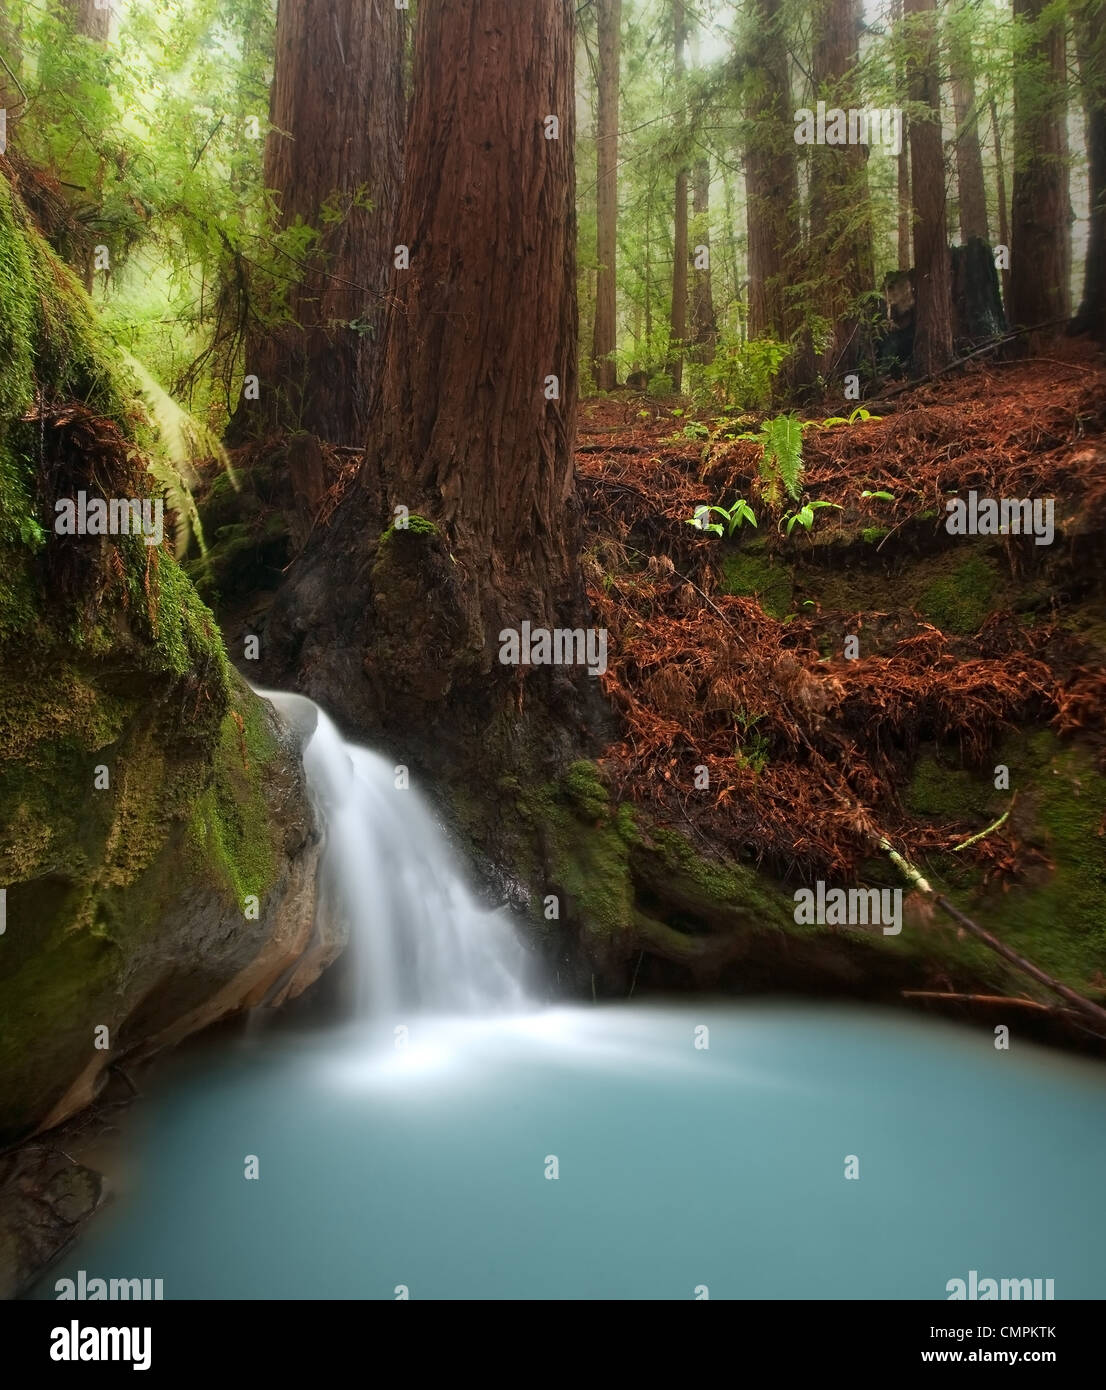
418	937
693	1144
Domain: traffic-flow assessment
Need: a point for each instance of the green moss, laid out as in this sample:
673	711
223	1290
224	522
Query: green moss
416	526
230	820
752	572
586	848
871	535
1056	916
960	600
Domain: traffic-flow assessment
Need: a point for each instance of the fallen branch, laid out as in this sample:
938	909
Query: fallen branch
968	356
1003	999
1083	1006
972	839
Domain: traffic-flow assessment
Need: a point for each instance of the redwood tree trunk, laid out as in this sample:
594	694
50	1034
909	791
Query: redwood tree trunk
704	331
842	251
772	188
1039	228
932	268
902	166
1090	41
93	23
476	424
678	318
336	109
606	305
969	157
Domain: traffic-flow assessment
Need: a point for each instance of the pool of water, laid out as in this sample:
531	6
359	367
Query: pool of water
429	1167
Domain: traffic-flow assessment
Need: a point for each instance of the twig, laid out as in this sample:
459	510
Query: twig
972	839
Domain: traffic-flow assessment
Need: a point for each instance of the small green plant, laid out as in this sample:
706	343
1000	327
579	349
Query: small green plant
781	460
696	430
879	496
735	516
751	748
804	515
861	413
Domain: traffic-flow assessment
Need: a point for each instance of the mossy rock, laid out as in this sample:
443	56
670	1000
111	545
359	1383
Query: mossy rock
1056	915
145	791
960	600
753	572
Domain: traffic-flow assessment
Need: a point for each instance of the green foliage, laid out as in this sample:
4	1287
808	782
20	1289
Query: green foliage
861	413
879	496
804	516
781	463
742	375
734	517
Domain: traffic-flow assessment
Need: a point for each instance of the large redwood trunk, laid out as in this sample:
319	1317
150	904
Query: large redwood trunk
336	108
932	267
1039	257
472	434
605	336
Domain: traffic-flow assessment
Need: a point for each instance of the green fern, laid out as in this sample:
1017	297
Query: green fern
781	462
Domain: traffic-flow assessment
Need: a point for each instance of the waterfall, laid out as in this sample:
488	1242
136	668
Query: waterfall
418	937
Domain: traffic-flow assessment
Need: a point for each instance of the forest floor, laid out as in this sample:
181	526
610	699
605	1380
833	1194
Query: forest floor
728	655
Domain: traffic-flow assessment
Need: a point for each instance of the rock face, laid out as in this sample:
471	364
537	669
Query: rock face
157	845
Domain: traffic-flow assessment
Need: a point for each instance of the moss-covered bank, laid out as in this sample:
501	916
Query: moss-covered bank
147	797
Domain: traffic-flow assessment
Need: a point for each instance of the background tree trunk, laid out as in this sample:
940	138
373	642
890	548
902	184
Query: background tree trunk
902	169
704	325
1090	43
1039	229
972	199
336	108
1003	214
606	302
678	317
772	190
842	252
932	270
93	23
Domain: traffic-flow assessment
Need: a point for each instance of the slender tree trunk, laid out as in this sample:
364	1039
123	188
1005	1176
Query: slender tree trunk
678	318
336	109
704	325
606	305
1003	214
842	251
1090	42
972	199
932	269
90	21
1039	262
772	191
11	51
902	168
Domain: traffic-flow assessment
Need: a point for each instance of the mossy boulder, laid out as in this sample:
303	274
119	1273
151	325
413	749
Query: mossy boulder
157	849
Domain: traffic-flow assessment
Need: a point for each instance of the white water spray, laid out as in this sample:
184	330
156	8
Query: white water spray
418	937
